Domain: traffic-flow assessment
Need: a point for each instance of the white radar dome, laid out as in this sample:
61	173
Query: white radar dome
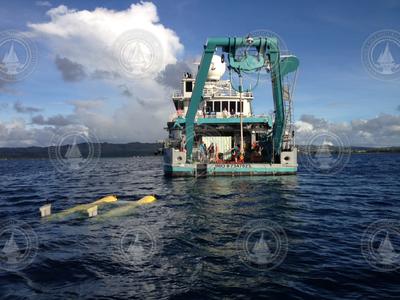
217	68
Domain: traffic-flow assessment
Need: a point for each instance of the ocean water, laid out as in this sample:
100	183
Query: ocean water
291	237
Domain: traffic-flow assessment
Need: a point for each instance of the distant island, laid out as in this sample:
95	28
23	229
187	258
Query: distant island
354	149
147	149
106	150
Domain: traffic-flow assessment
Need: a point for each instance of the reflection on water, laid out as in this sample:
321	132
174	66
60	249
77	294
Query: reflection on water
226	185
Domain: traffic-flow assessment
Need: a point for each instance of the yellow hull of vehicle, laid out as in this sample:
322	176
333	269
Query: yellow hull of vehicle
84	207
146	200
123	210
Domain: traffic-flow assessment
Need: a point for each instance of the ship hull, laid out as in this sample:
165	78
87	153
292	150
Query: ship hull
250	169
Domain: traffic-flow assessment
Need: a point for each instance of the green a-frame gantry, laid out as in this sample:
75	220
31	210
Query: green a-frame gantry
268	56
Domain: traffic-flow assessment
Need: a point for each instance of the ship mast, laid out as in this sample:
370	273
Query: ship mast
241	115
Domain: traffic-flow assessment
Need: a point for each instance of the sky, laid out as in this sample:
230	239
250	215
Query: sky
76	81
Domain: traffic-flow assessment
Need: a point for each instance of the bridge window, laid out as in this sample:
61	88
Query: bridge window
189	86
217	106
232	105
225	105
209	106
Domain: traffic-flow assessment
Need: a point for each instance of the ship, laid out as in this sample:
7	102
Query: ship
214	130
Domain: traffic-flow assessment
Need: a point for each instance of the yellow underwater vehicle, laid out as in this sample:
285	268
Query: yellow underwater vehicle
91	209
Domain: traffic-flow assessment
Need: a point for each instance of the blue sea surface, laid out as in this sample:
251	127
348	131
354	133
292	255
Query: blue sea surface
192	235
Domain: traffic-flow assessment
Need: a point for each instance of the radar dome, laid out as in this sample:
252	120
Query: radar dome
217	68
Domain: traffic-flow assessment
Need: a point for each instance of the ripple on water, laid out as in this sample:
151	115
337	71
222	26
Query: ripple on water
196	223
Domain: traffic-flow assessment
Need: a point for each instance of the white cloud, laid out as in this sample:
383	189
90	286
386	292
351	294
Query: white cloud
382	130
304	127
87	37
83	45
17	134
127	124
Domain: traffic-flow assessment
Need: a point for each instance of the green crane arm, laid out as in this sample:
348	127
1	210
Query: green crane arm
286	65
278	68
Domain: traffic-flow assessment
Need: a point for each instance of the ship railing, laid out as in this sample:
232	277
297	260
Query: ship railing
211	93
227	115
225	93
219	115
